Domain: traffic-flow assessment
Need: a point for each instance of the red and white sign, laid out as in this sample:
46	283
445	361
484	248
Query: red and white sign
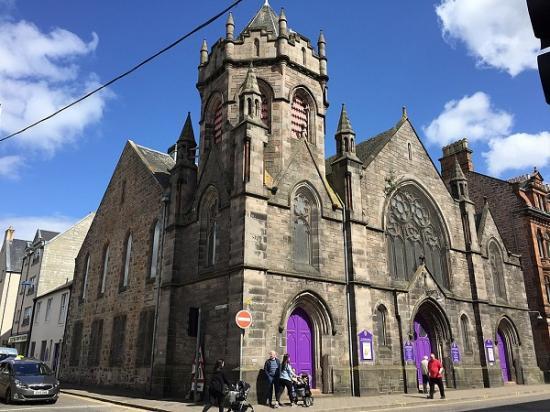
243	319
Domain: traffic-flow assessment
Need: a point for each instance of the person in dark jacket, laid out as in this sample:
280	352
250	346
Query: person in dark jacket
272	369
216	387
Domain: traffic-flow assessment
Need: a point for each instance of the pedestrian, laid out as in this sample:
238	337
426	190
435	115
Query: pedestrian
272	369
435	371
216	387
287	374
425	377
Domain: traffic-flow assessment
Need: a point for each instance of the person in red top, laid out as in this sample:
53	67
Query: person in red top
435	370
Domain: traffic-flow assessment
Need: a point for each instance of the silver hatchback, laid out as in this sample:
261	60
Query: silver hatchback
27	380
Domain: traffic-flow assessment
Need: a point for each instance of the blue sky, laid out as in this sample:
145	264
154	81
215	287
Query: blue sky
463	69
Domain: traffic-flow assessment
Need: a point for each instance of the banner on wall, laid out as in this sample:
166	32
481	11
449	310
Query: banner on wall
455	353
408	351
366	351
490	350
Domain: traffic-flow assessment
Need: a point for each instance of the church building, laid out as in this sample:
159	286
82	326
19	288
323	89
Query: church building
356	265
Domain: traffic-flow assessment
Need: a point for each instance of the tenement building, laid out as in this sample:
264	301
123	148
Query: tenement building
356	265
521	210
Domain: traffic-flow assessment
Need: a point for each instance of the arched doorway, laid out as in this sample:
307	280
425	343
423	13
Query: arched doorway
299	343
431	333
507	340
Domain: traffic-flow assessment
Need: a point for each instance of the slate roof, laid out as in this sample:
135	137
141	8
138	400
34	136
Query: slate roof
46	235
158	163
266	19
16	252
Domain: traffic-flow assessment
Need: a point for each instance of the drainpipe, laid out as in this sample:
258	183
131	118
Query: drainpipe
164	199
348	303
401	342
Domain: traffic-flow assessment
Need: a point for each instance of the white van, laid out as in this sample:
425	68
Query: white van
7	353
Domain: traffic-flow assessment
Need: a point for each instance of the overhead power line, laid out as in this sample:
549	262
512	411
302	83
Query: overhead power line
126	73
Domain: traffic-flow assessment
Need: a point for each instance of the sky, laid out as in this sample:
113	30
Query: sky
463	68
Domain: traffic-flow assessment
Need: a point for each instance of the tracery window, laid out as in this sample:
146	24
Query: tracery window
465	327
497	269
381	330
300	116
415	235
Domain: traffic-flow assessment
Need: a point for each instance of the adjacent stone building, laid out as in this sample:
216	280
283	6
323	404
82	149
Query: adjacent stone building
521	209
48	263
11	261
48	325
356	265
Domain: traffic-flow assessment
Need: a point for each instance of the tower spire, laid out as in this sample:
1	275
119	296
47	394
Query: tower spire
186	144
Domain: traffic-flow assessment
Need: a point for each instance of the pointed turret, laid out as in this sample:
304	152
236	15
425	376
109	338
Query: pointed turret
345	135
186	144
229	27
250	96
204	53
321	46
283	25
458	182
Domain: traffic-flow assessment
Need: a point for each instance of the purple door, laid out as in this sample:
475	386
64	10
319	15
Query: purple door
299	343
422	347
502	356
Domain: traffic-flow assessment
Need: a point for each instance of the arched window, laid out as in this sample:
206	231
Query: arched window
301	116
305	217
212	235
414	235
540	243
155	249
127	261
465	329
547	286
547	243
497	269
218	122
104	271
381	330
266	99
85	280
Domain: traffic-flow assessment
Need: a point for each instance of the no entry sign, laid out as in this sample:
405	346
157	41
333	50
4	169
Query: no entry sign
243	319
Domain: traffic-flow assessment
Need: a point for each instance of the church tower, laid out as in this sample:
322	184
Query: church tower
292	82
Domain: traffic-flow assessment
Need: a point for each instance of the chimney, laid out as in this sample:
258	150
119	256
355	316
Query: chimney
9	234
463	155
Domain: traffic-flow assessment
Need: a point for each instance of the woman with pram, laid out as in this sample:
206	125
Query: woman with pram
286	377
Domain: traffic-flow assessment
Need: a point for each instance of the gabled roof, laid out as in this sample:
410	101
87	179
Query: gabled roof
66	285
46	235
266	19
159	164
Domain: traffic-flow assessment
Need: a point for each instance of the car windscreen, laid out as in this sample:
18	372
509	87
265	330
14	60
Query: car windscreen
26	369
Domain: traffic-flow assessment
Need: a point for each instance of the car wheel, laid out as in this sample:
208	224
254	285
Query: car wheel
307	402
52	401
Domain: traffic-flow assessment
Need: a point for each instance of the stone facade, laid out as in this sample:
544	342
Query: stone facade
264	222
48	263
521	210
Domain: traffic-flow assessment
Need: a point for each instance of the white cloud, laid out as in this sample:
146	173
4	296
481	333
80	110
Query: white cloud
10	165
39	73
473	117
26	226
518	151
498	33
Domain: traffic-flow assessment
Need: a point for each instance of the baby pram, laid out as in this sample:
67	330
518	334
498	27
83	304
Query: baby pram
301	390
236	399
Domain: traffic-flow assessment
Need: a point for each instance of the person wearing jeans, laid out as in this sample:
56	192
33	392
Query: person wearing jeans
272	369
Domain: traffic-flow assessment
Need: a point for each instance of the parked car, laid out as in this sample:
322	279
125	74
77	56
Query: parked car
27	380
7	353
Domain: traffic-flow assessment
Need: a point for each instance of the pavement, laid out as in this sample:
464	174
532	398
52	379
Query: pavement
457	400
